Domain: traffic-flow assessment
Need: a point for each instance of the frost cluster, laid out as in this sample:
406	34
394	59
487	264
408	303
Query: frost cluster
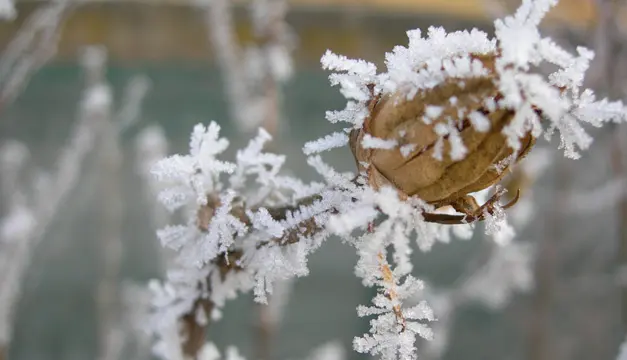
230	226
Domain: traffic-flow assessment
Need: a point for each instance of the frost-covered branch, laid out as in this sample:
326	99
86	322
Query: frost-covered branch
394	331
110	333
451	116
253	75
16	230
219	20
33	46
278	224
151	145
134	94
226	266
34	206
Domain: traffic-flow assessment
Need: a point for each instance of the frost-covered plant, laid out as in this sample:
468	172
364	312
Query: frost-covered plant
450	116
252	73
31	207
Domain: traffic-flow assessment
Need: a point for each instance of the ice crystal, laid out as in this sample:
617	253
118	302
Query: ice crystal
394	330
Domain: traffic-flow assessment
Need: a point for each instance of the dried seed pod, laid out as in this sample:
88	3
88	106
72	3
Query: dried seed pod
449	140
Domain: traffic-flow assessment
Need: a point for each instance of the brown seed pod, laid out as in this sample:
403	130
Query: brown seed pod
418	165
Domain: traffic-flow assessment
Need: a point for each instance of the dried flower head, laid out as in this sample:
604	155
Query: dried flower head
443	143
455	111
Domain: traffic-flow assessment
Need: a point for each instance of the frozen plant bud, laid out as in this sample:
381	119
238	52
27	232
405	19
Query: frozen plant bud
455	145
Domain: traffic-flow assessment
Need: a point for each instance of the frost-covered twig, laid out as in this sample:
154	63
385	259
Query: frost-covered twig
215	266
252	76
151	145
219	20
269	65
269	61
393	332
449	117
33	46
16	230
134	94
111	334
30	217
226	266
113	331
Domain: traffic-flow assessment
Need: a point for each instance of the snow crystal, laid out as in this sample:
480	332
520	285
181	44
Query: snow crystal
371	142
328	142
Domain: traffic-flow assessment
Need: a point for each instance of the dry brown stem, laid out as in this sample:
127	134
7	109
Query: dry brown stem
266	330
194	330
388	277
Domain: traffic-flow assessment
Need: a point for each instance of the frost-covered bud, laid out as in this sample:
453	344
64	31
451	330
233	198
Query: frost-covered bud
443	142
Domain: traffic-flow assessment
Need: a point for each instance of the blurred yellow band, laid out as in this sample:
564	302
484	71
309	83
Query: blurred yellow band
577	12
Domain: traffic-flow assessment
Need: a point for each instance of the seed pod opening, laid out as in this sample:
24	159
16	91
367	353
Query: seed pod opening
448	139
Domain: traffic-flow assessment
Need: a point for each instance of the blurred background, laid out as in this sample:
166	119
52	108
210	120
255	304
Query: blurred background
92	92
